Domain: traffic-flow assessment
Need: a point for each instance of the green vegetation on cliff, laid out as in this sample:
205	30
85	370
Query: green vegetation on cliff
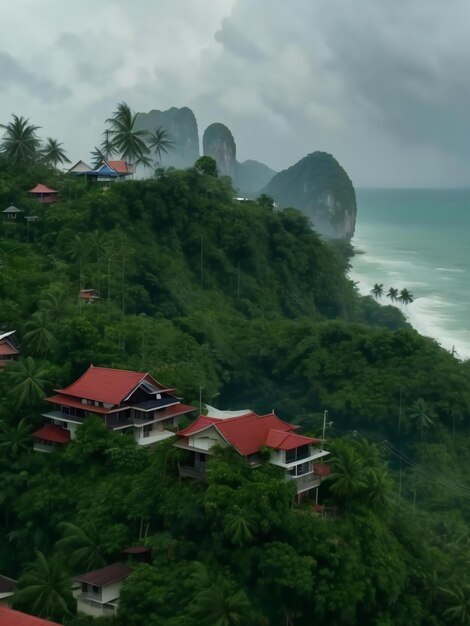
247	305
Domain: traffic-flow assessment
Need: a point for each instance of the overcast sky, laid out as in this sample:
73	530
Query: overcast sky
384	85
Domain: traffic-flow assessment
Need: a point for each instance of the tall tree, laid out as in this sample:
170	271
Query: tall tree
422	414
458	598
84	545
348	475
392	293
125	138
222	605
53	154
44	589
160	142
38	336
405	297
20	143
15	438
28	381
377	290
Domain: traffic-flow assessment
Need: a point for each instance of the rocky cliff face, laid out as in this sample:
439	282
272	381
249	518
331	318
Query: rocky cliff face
218	143
251	176
318	186
181	126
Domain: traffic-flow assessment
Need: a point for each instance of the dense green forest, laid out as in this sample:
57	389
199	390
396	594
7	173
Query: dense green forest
249	307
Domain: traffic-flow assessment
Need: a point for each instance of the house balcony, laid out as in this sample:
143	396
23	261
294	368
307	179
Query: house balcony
154	436
305	481
90	606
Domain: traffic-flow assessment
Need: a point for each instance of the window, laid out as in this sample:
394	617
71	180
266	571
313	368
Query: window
297	454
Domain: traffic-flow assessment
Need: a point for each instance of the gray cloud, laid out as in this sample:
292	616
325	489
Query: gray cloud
235	41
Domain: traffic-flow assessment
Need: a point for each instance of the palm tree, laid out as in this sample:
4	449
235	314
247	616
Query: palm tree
77	250
238	527
405	297
160	142
422	414
125	138
221	605
97	157
459	598
15	439
107	148
392	293
54	304
348	473
377	291
38	336
85	543
44	589
53	154
20	144
97	244
28	381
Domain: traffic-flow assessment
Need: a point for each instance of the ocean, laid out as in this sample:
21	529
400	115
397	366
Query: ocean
418	239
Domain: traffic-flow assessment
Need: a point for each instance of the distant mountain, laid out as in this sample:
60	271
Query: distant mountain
251	176
182	128
320	187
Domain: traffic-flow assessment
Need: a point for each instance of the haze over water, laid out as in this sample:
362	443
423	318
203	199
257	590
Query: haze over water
419	239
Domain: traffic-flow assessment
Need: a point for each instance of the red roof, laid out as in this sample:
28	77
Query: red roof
248	433
6	348
111	386
42	189
53	433
76	404
9	617
105	575
121	167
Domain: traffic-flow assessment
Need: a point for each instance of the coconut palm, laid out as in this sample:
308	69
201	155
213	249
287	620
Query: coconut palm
392	293
377	291
221	605
27	381
98	245
405	297
348	473
107	148
38	337
83	544
125	138
160	142
97	157
53	154
54	305
422	414
20	144
15	439
458	596
44	589
238	527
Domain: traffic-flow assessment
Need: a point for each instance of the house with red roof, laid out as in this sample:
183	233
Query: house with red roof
10	617
299	456
44	194
9	350
88	296
130	403
105	173
98	591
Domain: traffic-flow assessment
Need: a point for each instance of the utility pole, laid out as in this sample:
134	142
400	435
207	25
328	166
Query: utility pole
399	410
200	399
238	281
202	261
325	415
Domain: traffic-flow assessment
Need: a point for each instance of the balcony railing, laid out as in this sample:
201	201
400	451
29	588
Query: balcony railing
305	482
188	471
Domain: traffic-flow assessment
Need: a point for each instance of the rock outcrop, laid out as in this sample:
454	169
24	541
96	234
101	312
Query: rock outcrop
251	176
218	143
181	126
320	187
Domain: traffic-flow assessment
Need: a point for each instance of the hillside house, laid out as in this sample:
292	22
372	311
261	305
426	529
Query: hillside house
299	456
131	403
9	350
98	592
7	589
12	212
105	173
88	296
10	617
44	194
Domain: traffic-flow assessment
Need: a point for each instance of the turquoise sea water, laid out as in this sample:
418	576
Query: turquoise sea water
419	239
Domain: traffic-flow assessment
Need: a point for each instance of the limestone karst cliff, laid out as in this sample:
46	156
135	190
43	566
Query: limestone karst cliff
181	126
218	143
320	187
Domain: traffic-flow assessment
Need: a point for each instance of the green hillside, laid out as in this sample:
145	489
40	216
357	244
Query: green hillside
249	307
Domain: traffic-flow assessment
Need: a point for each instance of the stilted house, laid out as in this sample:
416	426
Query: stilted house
43	194
12	212
300	457
130	403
